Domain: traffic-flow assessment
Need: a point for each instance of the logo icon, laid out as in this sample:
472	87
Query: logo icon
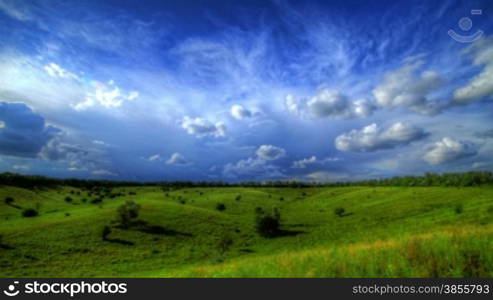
465	24
11	291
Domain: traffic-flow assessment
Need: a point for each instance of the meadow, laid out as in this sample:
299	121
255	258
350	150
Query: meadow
326	231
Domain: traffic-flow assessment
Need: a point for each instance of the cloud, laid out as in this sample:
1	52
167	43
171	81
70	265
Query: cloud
406	88
373	138
24	133
269	152
481	86
200	127
252	168
448	150
155	157
301	164
55	70
107	95
329	103
177	159
239	112
487	134
102	172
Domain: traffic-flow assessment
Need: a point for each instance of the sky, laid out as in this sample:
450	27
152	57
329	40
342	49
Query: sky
248	90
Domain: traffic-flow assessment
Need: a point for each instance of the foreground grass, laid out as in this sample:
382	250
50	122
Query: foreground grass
454	253
386	232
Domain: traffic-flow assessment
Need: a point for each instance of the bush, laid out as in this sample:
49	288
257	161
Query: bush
459	208
106	231
268	225
340	211
238	198
128	213
96	201
8	200
220	207
69	199
29	213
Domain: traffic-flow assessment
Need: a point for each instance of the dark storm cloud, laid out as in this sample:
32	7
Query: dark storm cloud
23	132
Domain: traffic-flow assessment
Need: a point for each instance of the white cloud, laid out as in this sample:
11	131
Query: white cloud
301	164
102	172
269	152
2	124
449	150
107	95
481	86
329	103
405	88
239	112
155	157
177	159
200	127
373	138
57	71
20	167
252	168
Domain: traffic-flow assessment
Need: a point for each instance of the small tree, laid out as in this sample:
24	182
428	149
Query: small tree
8	200
220	207
69	199
106	231
268	225
29	213
128	213
340	211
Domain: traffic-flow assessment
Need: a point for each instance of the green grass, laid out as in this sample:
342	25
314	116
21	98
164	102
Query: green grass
385	232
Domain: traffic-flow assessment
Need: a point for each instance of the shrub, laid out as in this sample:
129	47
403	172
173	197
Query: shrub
281	198
96	201
259	210
268	225
238	198
220	207
340	211
29	213
84	200
8	200
106	231
69	199
225	243
128	213
459	208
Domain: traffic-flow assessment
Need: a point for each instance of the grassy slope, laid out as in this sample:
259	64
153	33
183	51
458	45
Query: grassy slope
390	232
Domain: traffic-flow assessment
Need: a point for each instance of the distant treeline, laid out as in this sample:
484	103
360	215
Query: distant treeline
429	179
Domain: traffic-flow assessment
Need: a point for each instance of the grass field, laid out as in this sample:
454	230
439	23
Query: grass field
383	232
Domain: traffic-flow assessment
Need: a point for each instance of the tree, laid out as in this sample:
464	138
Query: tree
340	211
128	213
268	225
220	207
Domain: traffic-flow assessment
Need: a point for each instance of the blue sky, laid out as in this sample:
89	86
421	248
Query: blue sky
245	90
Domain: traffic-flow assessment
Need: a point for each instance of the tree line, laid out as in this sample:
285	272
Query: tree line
429	179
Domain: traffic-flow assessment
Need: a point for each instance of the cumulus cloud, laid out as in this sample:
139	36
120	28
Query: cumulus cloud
200	127
449	150
269	152
481	86
373	138
107	95
303	163
408	88
252	168
239	112
177	159
329	103
24	133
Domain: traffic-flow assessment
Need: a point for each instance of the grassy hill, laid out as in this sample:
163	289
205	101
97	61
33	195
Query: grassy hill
383	231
